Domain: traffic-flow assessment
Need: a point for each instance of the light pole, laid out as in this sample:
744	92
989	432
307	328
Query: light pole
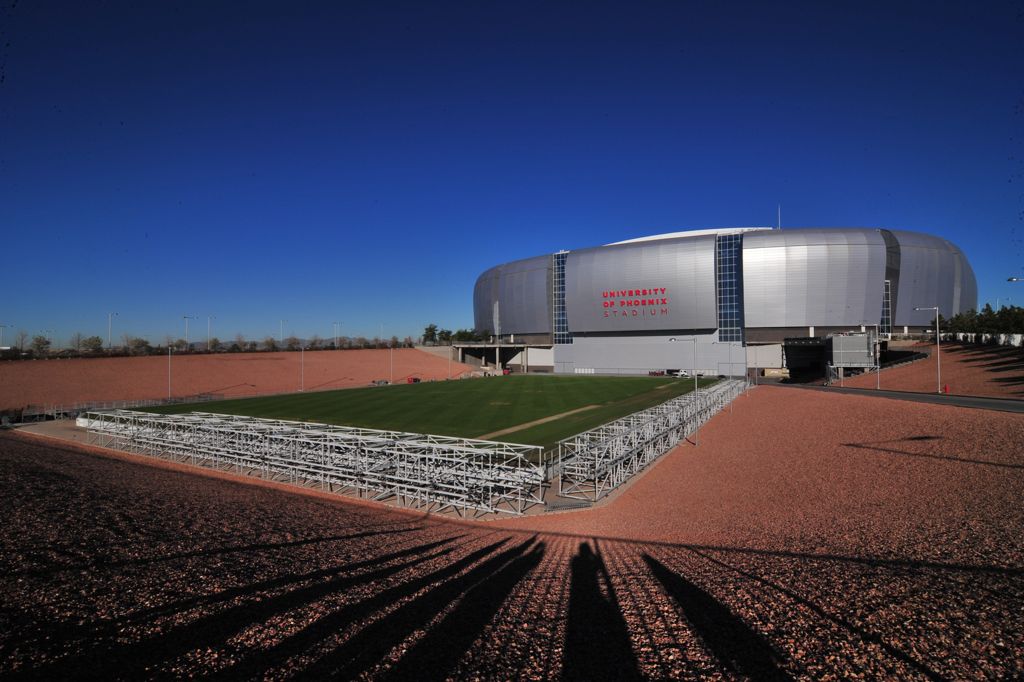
391	362
878	364
187	318
302	368
337	332
110	317
730	344
280	337
696	390
1015	279
208	337
938	345
168	371
2	327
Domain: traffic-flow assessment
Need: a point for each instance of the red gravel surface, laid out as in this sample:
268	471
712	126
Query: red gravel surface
991	371
808	536
45	382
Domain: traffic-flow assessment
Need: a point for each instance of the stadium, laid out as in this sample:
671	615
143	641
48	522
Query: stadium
615	309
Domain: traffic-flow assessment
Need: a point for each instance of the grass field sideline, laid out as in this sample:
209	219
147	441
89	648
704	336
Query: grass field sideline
468	408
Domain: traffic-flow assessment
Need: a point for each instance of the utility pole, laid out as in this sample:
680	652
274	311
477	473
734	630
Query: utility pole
187	318
280	337
110	317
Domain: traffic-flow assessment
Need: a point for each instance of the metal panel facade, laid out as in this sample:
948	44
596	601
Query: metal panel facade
646	286
522	291
815	277
932	272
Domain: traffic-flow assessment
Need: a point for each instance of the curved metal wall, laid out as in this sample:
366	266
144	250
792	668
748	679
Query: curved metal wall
791	278
522	290
817	277
643	286
933	272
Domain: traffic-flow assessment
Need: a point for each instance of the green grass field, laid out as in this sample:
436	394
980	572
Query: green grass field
469	408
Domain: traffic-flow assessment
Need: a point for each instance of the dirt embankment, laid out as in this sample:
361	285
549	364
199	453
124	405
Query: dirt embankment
46	382
991	371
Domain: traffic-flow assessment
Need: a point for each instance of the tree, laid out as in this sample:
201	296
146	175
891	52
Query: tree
75	341
92	344
270	343
466	335
393	343
213	345
408	343
182	345
21	340
292	343
445	336
315	343
430	334
139	346
40	344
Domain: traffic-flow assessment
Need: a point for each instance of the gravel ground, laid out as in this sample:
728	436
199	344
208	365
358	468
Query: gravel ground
991	371
46	382
808	536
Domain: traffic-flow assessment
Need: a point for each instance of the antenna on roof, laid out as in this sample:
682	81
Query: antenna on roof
780	216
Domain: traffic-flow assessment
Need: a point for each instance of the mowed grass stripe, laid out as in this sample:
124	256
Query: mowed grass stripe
466	408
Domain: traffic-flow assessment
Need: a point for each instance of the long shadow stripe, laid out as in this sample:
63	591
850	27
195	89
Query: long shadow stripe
739	648
597	642
128	659
373	642
440	649
329	625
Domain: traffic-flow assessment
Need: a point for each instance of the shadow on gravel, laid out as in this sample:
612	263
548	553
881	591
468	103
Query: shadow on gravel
925	455
320	591
740	649
597	644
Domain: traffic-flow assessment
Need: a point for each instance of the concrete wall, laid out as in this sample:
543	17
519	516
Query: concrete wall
642	354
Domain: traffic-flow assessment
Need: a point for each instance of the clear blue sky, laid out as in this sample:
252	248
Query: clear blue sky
364	162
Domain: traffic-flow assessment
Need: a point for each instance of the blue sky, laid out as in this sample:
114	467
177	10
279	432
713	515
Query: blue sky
364	162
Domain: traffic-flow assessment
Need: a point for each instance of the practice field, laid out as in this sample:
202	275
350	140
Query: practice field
499	408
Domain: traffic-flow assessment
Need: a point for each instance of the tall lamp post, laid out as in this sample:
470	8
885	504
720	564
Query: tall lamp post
168	371
938	345
337	332
208	336
696	388
280	337
110	317
2	328
187	318
730	344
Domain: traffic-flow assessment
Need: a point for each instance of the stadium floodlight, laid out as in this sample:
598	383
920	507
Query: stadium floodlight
208	318
187	318
110	317
938	345
696	389
1015	279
